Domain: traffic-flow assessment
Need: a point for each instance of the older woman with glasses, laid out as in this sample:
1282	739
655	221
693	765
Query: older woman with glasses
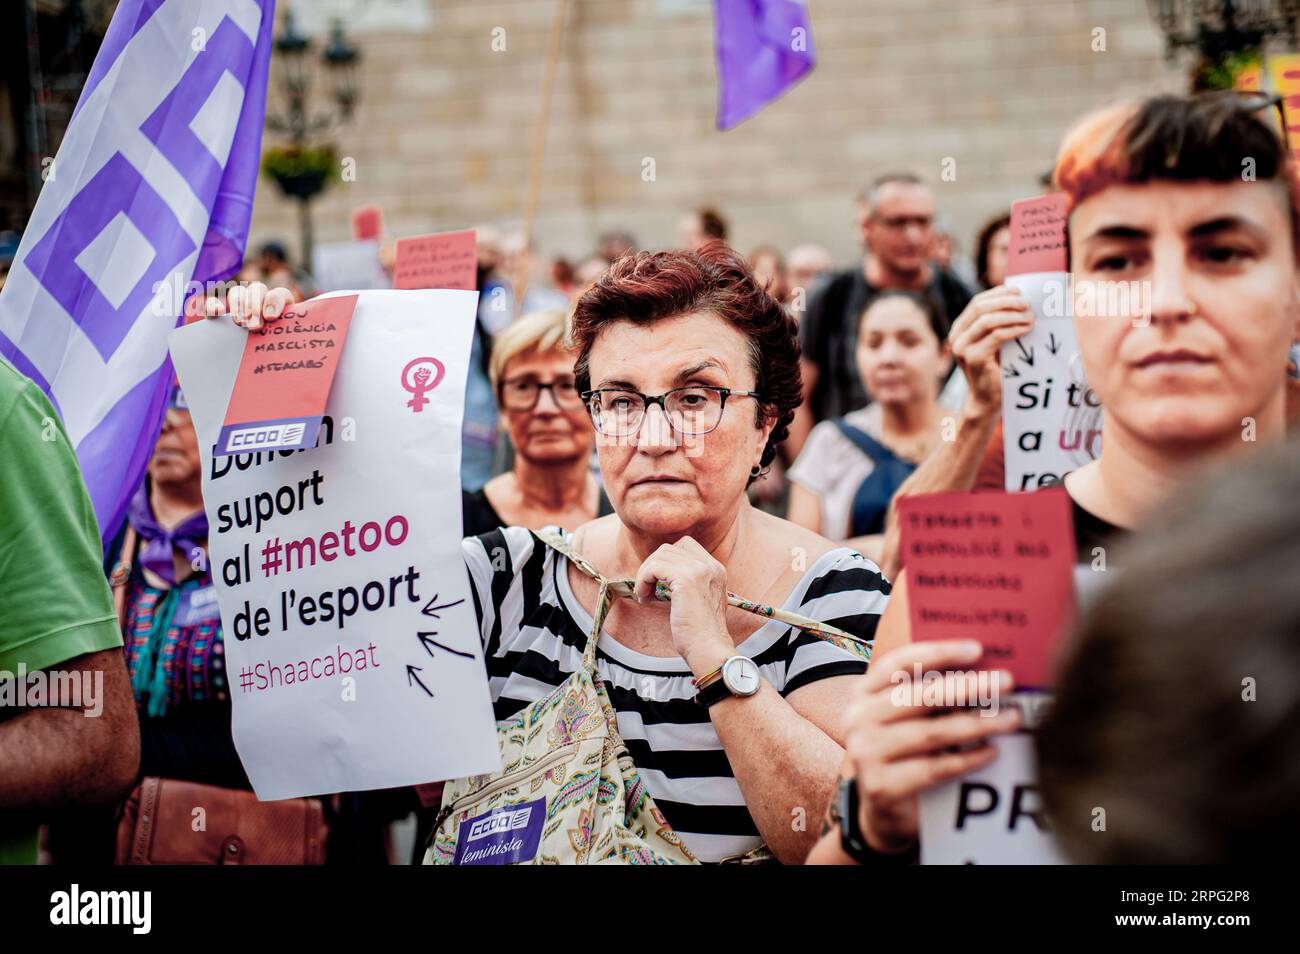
691	375
734	721
551	481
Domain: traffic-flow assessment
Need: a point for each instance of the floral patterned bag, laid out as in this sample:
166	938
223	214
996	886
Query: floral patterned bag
567	791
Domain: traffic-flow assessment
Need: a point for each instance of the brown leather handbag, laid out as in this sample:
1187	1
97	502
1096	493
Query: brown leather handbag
161	825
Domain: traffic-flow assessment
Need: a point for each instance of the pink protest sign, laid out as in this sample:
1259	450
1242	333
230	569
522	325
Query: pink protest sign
285	377
997	568
443	260
368	223
1037	235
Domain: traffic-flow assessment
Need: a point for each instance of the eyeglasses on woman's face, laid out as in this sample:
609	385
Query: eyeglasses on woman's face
522	393
691	411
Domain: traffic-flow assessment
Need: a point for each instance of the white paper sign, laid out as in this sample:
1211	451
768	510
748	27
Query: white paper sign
351	645
991	816
340	265
1051	419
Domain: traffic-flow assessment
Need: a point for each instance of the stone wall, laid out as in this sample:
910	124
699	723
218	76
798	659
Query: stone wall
445	123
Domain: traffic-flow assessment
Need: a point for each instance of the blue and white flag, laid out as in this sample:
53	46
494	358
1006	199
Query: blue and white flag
151	191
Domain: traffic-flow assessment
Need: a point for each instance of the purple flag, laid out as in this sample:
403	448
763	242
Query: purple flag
764	48
150	195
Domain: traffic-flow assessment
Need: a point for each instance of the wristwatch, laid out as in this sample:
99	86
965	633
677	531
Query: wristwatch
737	676
852	841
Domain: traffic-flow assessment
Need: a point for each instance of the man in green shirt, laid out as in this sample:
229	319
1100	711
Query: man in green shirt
60	746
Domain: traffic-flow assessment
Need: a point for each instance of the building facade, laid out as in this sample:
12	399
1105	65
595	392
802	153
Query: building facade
972	94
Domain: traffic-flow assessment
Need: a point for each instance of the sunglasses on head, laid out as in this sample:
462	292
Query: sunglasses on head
1238	101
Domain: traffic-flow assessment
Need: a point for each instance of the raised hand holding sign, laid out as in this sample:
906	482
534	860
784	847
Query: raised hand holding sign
338	567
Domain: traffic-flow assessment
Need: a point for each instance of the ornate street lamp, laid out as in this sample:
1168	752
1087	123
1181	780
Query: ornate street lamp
341	66
301	169
1219	30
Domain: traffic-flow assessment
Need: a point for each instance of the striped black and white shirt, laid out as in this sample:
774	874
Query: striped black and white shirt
534	631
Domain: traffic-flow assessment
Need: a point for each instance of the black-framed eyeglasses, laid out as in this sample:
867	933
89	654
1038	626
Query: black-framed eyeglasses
691	410
1252	101
522	394
899	222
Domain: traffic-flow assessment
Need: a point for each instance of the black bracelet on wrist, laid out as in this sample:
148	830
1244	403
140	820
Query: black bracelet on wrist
854	842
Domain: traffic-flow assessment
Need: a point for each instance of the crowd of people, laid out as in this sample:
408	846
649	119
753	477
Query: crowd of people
597	404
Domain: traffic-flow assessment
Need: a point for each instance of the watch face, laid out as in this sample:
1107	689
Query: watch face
741	675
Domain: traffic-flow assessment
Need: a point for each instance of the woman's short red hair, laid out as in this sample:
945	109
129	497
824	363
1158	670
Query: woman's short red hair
1215	137
651	286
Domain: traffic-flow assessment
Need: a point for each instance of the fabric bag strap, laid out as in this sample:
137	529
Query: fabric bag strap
121	575
610	589
865	442
604	600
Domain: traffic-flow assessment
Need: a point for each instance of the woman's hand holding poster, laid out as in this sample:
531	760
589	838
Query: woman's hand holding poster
352	649
996	568
1051	426
1051	420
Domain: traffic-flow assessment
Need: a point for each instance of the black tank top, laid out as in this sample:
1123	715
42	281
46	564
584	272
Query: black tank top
480	517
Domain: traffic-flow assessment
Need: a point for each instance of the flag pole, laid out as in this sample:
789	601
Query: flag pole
537	154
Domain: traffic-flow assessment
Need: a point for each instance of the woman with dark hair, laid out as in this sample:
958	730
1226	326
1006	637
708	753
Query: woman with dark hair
1192	373
994	302
768	266
691	375
700	227
691	372
991	251
171	625
851	467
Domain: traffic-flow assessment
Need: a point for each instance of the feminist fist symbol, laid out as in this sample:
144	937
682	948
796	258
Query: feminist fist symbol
428	372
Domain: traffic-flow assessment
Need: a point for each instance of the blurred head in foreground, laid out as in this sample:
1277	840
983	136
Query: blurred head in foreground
1175	732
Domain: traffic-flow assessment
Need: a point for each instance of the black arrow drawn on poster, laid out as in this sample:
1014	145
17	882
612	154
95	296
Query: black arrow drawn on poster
430	643
1028	356
1010	372
431	610
412	677
1052	345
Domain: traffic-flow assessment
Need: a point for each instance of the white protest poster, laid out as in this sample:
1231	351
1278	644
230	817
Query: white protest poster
351	643
1051	420
341	265
990	816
